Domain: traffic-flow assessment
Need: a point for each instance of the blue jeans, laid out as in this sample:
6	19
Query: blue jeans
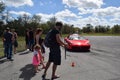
8	50
31	43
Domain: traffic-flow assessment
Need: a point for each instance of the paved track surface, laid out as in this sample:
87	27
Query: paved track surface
101	63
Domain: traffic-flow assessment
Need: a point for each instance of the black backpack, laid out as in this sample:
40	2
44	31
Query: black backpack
48	39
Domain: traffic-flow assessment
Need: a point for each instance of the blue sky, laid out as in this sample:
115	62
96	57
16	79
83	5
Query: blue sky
75	12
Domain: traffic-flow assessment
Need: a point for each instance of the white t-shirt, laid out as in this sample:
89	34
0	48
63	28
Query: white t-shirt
35	52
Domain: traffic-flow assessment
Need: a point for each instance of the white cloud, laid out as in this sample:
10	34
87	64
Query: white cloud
84	3
61	16
19	13
111	15
109	11
117	14
89	20
115	20
45	17
102	12
17	3
66	14
69	17
97	17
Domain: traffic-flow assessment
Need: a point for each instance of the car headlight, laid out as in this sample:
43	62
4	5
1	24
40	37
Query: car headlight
79	43
87	42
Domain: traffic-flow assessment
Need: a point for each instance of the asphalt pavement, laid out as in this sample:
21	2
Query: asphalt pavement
101	63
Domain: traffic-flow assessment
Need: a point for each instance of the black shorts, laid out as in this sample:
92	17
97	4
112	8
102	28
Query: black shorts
55	55
15	43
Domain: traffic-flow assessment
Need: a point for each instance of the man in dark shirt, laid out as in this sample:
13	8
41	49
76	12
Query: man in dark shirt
55	52
8	39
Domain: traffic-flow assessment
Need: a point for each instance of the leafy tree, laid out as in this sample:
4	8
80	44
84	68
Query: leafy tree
52	21
89	28
77	30
108	28
96	29
116	29
2	6
36	18
25	19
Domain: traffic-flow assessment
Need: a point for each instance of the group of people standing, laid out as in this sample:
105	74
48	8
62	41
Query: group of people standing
9	42
39	50
35	43
33	37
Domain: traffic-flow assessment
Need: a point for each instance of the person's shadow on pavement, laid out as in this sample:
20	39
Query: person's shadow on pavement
27	72
3	61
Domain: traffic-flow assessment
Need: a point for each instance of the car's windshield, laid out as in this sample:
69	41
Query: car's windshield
77	37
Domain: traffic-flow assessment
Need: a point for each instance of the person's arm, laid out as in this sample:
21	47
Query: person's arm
37	39
60	41
41	58
27	34
3	37
12	37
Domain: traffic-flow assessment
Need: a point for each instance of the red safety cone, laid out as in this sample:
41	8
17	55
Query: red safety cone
73	64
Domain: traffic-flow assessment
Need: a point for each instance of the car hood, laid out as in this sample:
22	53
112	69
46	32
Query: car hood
78	42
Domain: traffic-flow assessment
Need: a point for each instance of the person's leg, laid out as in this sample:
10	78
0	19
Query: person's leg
15	46
46	67
10	51
32	44
56	61
14	50
54	70
50	60
6	49
43	52
29	44
36	68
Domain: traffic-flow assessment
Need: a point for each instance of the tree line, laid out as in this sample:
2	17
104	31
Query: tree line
23	22
101	29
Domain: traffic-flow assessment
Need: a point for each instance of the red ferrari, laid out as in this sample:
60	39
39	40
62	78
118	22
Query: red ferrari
77	42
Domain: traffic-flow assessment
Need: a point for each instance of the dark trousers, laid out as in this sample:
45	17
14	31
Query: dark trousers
8	50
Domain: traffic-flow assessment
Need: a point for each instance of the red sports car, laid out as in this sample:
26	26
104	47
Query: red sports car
77	42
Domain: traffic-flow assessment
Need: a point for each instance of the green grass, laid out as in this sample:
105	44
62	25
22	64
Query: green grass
1	47
21	44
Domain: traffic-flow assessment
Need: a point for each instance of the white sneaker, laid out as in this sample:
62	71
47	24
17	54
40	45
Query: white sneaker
27	50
